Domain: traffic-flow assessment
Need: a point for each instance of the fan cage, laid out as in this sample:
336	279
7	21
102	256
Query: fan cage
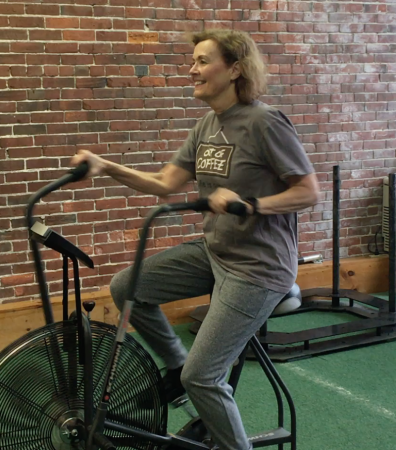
41	381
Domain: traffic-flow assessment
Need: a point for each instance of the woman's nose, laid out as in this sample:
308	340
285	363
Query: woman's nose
193	69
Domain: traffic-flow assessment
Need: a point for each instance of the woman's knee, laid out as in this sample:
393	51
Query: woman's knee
187	377
119	286
194	375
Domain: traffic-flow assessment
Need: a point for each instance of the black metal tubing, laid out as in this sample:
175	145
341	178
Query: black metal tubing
169	441
276	382
73	175
70	347
49	318
103	443
87	363
258	352
42	282
79	314
88	373
392	243
157	439
336	236
65	298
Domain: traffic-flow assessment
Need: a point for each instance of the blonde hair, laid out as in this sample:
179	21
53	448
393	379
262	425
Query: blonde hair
239	46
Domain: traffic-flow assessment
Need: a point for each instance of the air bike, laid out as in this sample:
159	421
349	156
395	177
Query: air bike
80	384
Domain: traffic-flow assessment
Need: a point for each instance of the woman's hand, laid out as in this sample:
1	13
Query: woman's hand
221	197
96	163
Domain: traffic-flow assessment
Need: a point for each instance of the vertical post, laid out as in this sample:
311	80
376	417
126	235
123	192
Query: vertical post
79	312
392	242
65	299
336	236
48	314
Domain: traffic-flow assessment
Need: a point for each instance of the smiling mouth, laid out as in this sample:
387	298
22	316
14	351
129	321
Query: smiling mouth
199	83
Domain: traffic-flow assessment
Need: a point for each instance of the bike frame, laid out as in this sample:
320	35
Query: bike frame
95	422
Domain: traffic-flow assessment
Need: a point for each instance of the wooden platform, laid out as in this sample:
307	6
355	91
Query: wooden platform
365	274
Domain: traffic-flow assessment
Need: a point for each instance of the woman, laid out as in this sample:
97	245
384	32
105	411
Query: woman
242	150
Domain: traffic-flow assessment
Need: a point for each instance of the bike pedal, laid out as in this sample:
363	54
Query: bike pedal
210	444
184	402
179	401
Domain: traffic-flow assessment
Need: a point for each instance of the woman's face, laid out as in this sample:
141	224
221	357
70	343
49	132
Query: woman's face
213	79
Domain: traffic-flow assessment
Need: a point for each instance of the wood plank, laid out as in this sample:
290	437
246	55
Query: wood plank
17	318
365	274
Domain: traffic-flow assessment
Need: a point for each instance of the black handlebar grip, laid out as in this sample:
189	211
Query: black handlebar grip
237	208
80	171
202	204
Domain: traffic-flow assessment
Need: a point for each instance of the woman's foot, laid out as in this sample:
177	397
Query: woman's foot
173	387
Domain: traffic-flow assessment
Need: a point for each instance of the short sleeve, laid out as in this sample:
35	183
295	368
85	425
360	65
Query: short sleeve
186	155
283	150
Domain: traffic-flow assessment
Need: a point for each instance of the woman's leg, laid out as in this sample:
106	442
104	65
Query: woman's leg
180	272
238	309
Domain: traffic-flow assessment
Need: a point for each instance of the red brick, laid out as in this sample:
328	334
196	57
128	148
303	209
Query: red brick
123	82
139	37
13	34
26	22
111	36
74	35
177	36
187	4
194	14
61	47
109	11
73	10
145	13
297	48
12	59
42	10
62	22
124	125
128	24
26	47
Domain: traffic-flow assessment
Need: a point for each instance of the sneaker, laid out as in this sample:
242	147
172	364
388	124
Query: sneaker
174	390
175	393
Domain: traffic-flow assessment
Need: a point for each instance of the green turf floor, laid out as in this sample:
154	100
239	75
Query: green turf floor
344	401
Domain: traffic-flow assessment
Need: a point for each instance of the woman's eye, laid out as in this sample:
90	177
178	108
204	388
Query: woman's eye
198	63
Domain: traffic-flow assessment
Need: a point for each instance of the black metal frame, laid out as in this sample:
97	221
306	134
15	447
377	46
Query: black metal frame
95	422
378	318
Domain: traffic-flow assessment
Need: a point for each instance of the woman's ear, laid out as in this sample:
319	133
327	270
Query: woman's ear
235	71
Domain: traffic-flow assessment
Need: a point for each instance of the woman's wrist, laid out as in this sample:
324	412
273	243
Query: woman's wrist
106	167
254	203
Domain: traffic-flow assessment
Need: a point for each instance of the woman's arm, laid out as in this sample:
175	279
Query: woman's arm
303	192
169	180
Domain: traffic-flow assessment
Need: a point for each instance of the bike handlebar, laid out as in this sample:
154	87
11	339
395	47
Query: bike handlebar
202	204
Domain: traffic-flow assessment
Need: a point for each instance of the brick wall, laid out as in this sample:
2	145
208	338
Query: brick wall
112	76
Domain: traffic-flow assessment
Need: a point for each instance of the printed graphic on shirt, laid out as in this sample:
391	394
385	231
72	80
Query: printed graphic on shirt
214	159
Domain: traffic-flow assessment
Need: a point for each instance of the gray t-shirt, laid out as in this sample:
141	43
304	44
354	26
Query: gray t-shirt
251	150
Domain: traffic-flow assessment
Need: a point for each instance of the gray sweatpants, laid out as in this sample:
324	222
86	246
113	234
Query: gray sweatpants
237	310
